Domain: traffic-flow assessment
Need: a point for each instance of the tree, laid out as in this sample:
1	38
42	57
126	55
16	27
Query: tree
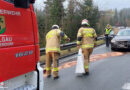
91	13
72	19
41	27
124	15
116	17
56	12
48	3
68	19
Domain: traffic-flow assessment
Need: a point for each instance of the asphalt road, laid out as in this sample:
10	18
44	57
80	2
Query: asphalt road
110	73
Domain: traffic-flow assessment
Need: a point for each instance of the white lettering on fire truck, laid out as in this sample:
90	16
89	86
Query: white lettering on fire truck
25	53
8	12
6	41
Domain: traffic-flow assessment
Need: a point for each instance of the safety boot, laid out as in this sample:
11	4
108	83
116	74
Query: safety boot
48	76
57	77
86	73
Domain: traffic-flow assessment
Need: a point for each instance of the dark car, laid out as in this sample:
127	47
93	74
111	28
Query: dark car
121	40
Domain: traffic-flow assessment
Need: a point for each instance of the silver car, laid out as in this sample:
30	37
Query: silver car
121	40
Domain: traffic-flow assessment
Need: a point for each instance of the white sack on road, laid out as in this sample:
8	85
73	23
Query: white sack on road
80	63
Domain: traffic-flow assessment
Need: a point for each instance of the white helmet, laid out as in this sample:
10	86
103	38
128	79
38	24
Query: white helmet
55	26
85	22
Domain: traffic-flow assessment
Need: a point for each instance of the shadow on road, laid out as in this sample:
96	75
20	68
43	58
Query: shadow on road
122	50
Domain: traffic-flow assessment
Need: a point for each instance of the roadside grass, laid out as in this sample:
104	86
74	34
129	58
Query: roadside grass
67	52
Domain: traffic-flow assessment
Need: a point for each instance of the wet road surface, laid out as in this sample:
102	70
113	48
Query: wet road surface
108	71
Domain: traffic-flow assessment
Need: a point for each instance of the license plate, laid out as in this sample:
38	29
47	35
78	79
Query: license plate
121	45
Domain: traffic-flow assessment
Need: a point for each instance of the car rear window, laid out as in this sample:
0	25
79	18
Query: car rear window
124	33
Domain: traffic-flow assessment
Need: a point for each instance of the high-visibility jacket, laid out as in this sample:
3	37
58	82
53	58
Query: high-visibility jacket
107	31
88	37
53	38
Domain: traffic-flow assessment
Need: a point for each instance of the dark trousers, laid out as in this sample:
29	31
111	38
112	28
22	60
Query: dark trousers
107	40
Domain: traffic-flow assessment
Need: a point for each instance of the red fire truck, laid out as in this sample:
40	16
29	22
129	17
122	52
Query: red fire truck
19	47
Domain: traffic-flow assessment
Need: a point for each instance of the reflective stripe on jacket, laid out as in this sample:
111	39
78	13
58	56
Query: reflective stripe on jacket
88	37
53	40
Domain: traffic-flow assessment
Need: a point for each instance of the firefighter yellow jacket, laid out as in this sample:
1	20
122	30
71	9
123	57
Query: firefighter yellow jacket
53	40
88	37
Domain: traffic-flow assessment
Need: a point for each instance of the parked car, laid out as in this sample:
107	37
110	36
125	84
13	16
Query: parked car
121	40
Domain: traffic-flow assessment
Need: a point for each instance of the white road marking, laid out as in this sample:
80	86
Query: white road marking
126	86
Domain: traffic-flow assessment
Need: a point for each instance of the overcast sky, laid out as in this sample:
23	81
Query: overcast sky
102	4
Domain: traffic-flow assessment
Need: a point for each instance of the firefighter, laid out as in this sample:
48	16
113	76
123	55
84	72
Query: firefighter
86	39
108	29
53	50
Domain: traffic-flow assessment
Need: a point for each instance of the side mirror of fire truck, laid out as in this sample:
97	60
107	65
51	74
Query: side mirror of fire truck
23	3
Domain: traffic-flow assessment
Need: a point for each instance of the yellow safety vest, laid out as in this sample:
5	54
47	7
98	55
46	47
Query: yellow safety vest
108	31
88	37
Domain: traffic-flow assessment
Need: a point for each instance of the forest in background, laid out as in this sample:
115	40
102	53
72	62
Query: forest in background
69	19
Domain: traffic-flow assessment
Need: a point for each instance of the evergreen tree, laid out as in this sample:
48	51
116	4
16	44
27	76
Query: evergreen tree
41	27
68	19
48	3
56	12
91	13
72	19
116	18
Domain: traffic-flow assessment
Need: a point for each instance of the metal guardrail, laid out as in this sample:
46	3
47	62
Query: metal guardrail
63	47
67	46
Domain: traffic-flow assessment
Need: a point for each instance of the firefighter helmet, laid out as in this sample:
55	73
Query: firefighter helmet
85	22
55	27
